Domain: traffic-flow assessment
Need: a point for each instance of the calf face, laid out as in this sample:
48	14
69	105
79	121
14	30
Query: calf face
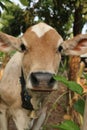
41	59
40	48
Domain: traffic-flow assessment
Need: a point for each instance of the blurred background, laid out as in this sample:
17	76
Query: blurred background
68	17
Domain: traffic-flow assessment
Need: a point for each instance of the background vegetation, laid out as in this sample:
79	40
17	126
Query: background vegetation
67	16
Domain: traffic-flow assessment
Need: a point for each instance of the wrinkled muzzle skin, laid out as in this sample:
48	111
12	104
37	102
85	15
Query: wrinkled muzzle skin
41	59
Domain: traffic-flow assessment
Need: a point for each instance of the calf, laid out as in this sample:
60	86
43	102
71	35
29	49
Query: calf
28	76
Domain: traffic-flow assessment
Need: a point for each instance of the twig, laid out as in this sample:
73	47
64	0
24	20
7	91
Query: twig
54	105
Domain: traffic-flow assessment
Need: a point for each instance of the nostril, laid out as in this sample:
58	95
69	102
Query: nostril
51	82
34	80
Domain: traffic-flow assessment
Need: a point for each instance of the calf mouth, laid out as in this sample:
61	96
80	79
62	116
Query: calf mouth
42	90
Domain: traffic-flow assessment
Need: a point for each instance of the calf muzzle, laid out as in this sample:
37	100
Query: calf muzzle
42	81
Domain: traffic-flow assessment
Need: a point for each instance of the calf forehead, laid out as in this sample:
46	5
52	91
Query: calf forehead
41	29
42	34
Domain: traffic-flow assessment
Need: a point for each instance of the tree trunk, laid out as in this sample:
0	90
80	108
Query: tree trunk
78	24
77	27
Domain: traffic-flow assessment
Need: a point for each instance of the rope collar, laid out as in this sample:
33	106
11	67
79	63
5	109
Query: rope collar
25	97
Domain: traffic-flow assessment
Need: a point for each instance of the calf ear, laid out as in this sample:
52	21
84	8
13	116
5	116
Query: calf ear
76	45
8	43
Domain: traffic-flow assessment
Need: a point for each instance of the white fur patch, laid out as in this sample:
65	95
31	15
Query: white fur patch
41	28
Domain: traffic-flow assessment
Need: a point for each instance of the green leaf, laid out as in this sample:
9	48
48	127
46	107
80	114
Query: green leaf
75	87
70	84
24	2
79	106
67	125
61	79
85	75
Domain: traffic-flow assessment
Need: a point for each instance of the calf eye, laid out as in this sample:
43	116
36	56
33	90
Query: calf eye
23	47
60	48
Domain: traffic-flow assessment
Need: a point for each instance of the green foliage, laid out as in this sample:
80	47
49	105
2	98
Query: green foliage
67	125
63	15
79	106
2	55
12	22
85	76
60	14
24	2
70	84
63	64
3	4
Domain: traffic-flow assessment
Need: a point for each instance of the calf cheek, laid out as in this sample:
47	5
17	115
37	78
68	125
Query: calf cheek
26	66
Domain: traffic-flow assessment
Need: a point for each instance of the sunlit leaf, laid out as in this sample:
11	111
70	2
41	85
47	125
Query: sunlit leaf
70	84
24	2
79	106
67	125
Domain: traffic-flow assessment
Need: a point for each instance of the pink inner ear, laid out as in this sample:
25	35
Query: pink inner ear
81	44
4	46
